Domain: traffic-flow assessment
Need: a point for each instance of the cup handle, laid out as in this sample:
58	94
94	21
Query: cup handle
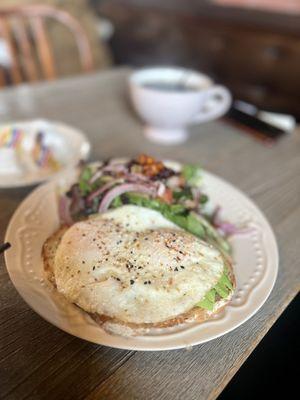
217	102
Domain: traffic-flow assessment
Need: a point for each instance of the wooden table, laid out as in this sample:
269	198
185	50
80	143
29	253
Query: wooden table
37	360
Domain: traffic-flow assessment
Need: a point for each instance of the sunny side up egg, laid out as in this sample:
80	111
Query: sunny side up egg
133	265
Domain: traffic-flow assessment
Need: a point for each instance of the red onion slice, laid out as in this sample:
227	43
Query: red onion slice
134	177
126	187
227	228
96	176
103	189
64	210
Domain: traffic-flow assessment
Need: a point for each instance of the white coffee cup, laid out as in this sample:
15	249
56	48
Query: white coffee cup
169	99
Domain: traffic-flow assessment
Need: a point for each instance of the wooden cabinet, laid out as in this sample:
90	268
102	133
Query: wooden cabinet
257	55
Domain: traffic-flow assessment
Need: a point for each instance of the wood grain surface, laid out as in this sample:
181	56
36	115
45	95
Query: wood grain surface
37	360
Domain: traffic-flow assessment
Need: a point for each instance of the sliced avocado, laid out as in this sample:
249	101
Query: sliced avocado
226	281
206	304
211	295
222	288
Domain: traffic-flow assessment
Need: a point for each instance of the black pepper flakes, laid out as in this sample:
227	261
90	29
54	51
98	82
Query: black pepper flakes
94	268
181	266
131	281
176	269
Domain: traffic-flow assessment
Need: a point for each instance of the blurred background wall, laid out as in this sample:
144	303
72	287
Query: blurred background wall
254	50
251	46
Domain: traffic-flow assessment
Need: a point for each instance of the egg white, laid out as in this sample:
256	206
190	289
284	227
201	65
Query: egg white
134	265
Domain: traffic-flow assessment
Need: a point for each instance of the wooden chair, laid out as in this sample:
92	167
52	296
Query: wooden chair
24	34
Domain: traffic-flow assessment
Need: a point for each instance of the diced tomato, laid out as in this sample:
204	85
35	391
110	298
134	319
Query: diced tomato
168	196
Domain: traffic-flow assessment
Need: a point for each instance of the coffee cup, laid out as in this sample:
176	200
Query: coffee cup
169	99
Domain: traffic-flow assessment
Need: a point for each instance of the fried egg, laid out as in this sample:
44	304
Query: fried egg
135	266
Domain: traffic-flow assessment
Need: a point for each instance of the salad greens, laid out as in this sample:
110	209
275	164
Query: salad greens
192	174
83	182
183	206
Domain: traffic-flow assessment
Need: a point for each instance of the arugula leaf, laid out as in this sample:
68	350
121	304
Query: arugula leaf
184	194
194	226
192	174
86	174
203	199
178	219
177	208
142	201
117	202
84	185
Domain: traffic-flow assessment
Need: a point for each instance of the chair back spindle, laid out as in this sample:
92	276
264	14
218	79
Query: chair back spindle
23	31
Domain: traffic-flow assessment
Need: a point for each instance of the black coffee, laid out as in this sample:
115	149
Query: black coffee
170	87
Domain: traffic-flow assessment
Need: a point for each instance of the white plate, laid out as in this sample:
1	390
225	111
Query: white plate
255	254
68	144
